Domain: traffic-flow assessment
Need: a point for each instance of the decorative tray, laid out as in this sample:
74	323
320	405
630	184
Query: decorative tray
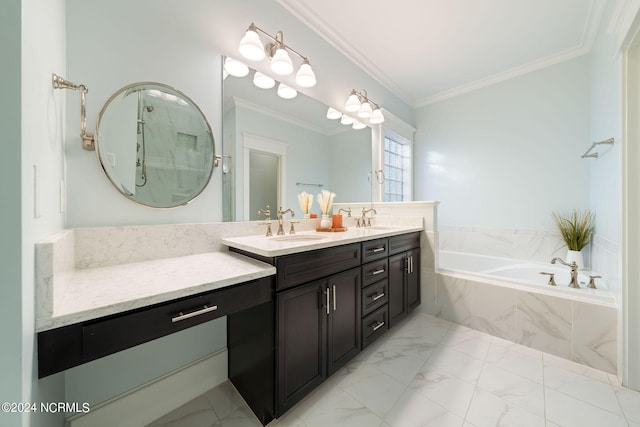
331	229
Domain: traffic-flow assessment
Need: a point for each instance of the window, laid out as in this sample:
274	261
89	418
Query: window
397	169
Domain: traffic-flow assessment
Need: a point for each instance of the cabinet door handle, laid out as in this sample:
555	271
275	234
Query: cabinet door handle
184	316
328	300
411	263
376	250
376	297
334	298
376	272
377	326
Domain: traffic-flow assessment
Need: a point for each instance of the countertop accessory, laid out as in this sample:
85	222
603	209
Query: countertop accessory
305	200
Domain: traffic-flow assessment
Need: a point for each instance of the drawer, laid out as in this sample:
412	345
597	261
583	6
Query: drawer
121	331
403	242
375	296
374	249
305	267
374	325
374	271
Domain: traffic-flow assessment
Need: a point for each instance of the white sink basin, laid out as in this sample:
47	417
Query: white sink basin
298	238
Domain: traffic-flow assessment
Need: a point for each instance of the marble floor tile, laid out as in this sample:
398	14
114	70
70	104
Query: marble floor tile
197	413
523	364
583	388
429	372
567	411
459	364
444	388
630	403
513	388
489	410
415	410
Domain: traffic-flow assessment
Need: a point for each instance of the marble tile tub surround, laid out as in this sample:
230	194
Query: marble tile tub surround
578	331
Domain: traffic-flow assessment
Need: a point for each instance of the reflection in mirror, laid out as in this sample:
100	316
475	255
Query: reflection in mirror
155	145
306	152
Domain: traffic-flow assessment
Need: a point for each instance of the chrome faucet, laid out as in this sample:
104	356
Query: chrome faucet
281	214
574	271
347	211
366	221
267	215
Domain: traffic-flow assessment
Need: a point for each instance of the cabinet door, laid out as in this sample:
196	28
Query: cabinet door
397	297
301	342
413	279
344	319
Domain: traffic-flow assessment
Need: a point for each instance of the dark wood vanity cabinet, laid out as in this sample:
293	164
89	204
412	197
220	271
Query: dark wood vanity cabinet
318	330
329	304
404	284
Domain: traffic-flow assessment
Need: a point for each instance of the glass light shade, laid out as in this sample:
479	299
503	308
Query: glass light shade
281	63
353	103
235	67
347	120
359	125
305	77
251	47
333	114
365	110
376	117
286	92
263	81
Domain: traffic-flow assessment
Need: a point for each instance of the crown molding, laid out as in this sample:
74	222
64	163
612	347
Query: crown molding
502	76
248	105
304	14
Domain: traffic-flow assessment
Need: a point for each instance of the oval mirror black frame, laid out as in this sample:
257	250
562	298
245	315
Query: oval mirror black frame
155	145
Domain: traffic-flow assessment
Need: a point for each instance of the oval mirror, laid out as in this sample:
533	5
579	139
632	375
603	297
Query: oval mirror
155	145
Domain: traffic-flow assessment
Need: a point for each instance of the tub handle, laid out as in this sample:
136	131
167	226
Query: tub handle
552	280
592	281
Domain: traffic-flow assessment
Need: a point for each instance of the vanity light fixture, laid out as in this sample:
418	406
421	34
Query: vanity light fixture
347	120
358	102
286	92
358	125
333	114
277	51
263	81
235	68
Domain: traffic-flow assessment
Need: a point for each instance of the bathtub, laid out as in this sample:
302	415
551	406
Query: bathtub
524	276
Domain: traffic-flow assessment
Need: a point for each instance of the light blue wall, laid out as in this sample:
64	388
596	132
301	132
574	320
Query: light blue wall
606	104
10	209
508	155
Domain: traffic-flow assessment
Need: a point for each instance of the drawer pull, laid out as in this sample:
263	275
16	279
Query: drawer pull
378	326
184	316
328	296
376	250
376	272
376	297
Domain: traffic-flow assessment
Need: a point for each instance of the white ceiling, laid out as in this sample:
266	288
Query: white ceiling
428	50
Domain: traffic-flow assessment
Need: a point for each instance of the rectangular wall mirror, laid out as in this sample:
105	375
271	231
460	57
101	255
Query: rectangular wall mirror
293	136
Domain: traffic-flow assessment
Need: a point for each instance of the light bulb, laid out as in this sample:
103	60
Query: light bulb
305	77
365	110
281	63
347	120
235	67
353	103
251	47
286	92
376	117
263	81
358	125
333	114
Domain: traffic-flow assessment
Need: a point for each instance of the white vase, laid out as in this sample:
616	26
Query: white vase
307	216
577	257
325	222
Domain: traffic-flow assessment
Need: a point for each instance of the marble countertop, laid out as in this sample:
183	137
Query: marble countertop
311	240
97	292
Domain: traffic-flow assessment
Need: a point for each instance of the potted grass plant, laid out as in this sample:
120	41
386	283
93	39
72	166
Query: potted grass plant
576	229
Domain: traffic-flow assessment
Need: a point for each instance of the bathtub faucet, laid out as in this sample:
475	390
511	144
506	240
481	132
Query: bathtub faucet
574	271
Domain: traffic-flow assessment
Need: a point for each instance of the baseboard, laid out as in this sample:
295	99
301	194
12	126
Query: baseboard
152	400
